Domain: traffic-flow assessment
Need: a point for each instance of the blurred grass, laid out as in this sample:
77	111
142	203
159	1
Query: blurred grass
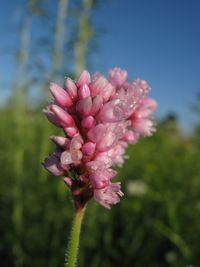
155	224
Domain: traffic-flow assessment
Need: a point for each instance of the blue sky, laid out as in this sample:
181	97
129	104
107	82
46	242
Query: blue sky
157	40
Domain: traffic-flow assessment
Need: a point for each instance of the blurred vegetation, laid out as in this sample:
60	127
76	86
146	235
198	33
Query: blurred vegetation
156	224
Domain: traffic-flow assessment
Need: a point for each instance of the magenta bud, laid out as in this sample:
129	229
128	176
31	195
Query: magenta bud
68	182
98	83
84	106
65	118
107	92
96	104
60	95
88	148
71	88
97	133
117	77
61	141
84	78
65	167
87	122
84	91
51	116
70	131
51	163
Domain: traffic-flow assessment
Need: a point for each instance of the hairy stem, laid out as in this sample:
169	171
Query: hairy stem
71	255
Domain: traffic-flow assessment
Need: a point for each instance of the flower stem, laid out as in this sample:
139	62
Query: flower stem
71	255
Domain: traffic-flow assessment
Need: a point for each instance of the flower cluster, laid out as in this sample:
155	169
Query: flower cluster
100	117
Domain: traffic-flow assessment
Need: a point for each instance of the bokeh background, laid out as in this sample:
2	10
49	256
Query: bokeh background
157	223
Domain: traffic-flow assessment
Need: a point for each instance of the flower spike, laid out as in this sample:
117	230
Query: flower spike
99	116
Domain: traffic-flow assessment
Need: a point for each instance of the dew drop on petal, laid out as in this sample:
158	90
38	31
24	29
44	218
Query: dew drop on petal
66	158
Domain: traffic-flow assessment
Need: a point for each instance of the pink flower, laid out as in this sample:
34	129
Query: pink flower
99	118
108	195
117	77
141	119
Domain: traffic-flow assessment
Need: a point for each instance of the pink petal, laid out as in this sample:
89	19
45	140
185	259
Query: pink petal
130	137
144	127
145	108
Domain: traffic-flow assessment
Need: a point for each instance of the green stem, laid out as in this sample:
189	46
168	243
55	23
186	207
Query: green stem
71	255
